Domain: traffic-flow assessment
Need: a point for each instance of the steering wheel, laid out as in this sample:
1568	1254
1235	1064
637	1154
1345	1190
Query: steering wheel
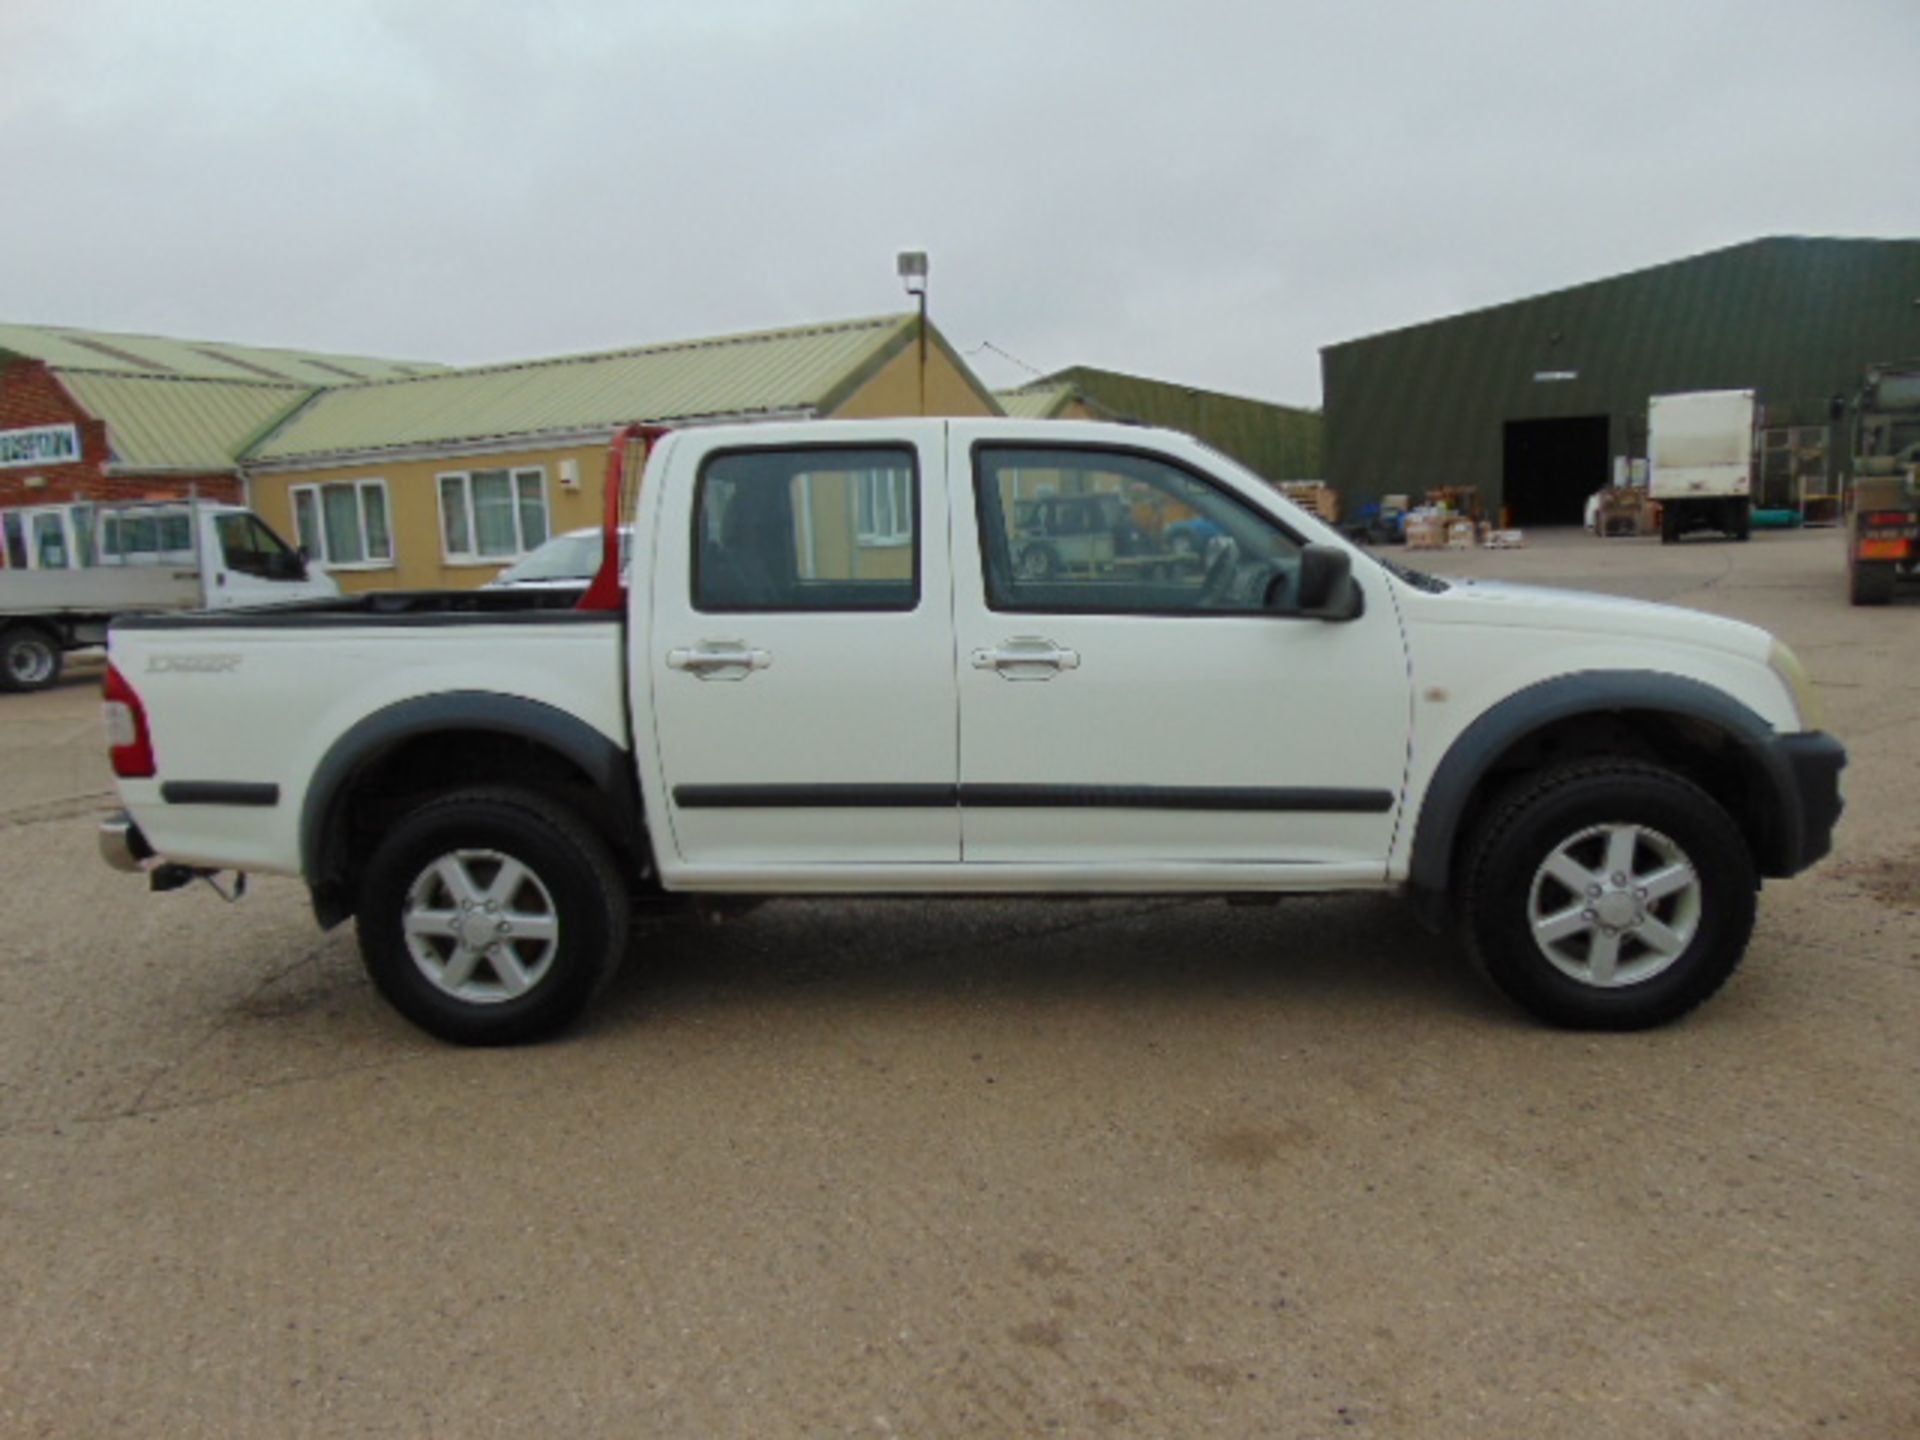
1222	565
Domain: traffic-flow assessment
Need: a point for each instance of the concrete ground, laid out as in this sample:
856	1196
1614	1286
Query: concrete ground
1131	1169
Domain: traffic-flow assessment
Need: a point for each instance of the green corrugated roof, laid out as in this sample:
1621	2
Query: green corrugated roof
1041	400
158	422
68	349
1280	442
805	369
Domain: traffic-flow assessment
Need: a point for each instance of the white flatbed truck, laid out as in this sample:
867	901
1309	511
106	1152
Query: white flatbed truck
70	569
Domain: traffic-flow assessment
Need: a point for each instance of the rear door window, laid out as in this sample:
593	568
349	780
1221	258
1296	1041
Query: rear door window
810	528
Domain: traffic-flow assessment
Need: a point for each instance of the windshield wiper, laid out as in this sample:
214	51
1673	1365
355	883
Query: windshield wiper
1419	579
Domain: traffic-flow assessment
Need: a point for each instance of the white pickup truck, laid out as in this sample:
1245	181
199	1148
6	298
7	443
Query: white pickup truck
66	570
830	675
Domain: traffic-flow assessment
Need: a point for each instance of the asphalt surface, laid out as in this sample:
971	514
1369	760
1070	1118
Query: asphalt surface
900	1169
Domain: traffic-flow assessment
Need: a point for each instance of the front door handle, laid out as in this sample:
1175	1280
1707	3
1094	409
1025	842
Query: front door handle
719	660
1027	657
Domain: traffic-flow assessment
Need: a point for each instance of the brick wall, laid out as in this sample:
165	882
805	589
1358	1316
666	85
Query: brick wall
30	394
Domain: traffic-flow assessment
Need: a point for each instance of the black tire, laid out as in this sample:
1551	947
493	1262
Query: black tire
574	881
1743	525
30	658
1039	562
1704	926
1870	582
1669	526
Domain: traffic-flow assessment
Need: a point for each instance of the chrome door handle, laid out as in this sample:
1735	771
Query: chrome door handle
718	660
1027	657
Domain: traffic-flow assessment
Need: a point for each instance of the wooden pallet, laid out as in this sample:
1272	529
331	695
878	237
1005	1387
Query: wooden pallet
1315	496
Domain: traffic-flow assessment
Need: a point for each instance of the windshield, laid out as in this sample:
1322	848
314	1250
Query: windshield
565	557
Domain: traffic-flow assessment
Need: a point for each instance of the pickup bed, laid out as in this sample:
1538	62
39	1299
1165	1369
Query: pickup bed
829	673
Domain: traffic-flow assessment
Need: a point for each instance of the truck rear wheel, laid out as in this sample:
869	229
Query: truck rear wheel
1609	895
30	658
1870	582
492	917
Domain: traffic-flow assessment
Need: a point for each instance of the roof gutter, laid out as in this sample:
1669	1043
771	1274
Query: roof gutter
121	469
499	444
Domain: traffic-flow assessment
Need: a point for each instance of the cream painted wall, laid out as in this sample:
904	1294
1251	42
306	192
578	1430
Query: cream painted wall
413	508
895	389
413	491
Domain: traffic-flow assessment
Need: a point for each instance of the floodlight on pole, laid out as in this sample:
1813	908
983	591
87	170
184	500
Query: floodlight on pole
911	266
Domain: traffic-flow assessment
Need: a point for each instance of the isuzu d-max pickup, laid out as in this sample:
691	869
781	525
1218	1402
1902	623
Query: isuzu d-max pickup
832	666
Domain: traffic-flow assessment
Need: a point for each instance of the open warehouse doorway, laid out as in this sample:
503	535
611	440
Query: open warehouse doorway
1550	468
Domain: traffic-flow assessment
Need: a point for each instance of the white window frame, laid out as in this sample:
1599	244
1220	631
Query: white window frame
63	522
514	475
316	545
878	497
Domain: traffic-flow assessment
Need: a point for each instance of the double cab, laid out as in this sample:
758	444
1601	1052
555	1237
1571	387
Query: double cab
825	670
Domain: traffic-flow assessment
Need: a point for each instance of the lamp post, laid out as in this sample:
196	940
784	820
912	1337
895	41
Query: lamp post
912	268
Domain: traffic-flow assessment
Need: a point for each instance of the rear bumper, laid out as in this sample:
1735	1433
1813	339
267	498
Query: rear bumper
121	844
1809	765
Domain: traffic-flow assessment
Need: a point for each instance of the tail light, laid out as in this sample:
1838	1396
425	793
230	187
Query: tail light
129	742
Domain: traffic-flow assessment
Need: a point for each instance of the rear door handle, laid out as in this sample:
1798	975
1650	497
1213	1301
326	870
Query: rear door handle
719	660
1027	657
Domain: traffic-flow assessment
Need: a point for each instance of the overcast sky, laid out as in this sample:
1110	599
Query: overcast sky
1200	191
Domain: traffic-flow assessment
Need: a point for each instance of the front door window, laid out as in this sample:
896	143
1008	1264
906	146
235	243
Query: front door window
1115	532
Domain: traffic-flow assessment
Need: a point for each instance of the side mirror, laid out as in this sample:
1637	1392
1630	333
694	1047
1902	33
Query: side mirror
1326	588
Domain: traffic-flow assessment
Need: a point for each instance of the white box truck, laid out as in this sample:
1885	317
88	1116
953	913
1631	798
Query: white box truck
1700	454
66	570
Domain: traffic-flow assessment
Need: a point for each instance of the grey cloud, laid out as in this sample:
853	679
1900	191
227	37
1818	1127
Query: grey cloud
1206	192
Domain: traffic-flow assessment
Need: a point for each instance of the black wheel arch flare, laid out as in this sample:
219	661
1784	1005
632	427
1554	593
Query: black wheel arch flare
323	814
1778	847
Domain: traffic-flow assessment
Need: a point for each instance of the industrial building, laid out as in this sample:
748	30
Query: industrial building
1540	402
1277	442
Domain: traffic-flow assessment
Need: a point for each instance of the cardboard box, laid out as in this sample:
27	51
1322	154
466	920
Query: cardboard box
1426	532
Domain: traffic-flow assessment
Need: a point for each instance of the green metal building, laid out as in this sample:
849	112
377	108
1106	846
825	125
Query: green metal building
1278	442
1540	402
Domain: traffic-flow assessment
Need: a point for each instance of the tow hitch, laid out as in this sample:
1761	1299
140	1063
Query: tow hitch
169	876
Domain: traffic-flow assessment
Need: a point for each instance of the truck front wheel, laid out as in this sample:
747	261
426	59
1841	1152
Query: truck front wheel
1039	561
491	917
1609	895
29	658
